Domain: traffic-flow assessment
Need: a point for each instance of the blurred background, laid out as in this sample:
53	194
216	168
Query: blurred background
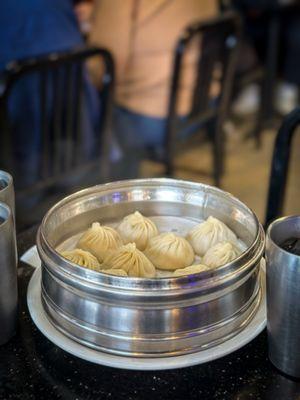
98	90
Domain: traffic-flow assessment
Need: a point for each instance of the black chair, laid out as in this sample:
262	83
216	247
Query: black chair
280	165
267	113
217	52
265	73
63	75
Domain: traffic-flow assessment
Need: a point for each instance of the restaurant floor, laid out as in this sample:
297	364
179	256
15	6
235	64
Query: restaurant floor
247	170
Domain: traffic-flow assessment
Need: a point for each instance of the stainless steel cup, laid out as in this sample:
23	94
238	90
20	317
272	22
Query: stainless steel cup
283	296
7	194
8	275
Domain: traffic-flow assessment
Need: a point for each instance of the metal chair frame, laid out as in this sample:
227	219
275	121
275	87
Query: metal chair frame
54	65
280	165
226	29
266	74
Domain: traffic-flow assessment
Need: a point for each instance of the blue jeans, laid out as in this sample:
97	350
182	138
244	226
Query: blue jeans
135	134
139	136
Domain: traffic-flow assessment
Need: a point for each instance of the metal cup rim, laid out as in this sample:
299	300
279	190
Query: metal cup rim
274	224
9	213
8	179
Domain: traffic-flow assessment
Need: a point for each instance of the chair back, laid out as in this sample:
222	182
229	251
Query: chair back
62	97
216	61
280	165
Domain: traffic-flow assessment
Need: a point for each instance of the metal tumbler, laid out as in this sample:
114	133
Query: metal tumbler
8	275
7	194
283	296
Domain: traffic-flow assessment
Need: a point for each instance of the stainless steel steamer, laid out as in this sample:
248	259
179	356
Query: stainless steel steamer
149	317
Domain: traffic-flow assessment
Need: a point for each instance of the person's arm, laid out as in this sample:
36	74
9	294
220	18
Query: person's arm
84	10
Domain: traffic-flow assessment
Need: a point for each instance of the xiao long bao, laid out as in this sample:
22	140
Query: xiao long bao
138	229
220	254
208	233
192	269
82	258
99	239
114	271
87	260
131	260
136	248
168	251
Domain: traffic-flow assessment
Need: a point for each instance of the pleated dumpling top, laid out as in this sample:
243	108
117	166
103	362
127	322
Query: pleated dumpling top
208	233
82	258
131	260
99	240
138	229
220	254
169	251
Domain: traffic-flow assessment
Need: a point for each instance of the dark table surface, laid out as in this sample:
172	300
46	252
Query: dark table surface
31	367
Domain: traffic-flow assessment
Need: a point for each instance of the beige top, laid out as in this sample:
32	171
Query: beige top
141	35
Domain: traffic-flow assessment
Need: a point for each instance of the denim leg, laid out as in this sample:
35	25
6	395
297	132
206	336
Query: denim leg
24	113
135	133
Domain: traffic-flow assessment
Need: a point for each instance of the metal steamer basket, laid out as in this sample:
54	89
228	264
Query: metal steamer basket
150	317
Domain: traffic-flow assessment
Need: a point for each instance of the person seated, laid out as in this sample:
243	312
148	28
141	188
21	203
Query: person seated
28	29
142	35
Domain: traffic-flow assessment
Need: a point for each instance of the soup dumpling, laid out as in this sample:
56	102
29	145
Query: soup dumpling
131	260
138	229
116	272
220	254
169	251
82	258
208	233
192	269
99	239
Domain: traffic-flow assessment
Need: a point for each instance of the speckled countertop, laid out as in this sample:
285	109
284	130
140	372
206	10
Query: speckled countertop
31	367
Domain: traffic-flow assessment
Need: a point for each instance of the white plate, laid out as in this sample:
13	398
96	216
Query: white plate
41	321
31	257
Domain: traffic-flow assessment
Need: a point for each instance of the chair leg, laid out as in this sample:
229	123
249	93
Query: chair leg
268	85
169	166
217	137
218	167
169	149
280	165
259	126
255	132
